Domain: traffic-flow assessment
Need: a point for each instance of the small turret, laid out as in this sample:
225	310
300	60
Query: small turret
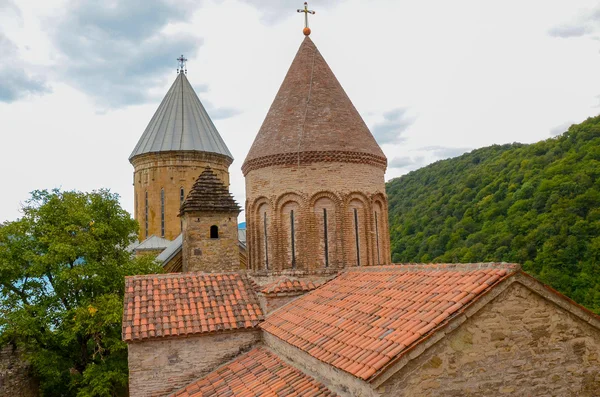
210	235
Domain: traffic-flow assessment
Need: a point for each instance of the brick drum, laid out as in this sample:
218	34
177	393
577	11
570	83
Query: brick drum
519	344
169	171
339	188
159	367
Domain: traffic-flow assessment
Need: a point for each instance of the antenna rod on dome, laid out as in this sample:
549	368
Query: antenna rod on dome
306	11
182	64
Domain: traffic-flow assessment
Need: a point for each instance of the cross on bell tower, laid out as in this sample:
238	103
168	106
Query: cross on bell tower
306	11
182	64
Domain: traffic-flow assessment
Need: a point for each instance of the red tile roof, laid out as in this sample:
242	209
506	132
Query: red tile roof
363	319
285	285
162	305
256	373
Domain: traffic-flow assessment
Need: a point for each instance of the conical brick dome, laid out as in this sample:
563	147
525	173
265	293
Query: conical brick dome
312	119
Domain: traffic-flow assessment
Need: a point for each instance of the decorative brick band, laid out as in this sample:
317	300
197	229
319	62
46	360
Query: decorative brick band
305	158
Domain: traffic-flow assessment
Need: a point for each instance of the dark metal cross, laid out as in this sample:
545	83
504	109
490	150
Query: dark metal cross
182	64
306	11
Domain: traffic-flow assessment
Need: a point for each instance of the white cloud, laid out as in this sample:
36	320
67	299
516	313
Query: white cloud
471	81
394	123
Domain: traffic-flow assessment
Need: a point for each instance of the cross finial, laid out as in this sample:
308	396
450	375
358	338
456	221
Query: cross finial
306	11
182	68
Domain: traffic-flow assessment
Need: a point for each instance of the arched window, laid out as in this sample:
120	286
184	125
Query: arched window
162	212
146	213
214	231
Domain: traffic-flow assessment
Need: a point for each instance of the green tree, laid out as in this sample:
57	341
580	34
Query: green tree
538	205
62	269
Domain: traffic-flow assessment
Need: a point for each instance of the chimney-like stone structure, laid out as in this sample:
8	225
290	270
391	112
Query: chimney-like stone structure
210	236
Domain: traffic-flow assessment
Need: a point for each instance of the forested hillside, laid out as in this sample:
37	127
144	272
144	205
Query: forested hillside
537	205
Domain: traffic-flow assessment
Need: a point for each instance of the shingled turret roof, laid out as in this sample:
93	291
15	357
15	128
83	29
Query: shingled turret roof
311	118
209	194
181	124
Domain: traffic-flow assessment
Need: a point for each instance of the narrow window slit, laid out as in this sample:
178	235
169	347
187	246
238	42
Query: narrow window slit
357	237
162	212
293	238
146	214
266	242
325	237
377	239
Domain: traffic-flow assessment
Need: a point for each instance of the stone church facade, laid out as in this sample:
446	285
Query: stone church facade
317	309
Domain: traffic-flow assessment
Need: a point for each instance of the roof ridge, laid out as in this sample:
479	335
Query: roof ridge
186	274
437	266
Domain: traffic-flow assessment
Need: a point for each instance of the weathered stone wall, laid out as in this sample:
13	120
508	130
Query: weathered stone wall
518	344
159	367
336	187
338	381
15	375
204	254
171	171
273	302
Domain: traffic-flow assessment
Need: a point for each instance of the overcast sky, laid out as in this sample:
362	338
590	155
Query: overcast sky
80	80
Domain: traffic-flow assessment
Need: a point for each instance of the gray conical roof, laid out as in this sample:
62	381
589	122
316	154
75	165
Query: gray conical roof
181	124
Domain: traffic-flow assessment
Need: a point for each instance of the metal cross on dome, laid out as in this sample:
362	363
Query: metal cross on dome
182	64
306	11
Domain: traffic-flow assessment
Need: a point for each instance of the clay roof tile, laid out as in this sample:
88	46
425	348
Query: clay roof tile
361	320
258	372
189	313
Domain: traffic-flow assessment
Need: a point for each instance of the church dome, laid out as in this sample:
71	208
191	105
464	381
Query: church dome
312	119
181	124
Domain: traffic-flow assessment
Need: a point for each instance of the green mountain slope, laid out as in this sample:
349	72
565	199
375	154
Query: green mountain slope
538	205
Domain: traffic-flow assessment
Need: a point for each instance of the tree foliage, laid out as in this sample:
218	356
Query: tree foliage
62	269
538	205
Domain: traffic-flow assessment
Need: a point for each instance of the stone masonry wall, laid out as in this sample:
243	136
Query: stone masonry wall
519	344
204	254
270	303
159	367
337	187
15	376
336	380
169	171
